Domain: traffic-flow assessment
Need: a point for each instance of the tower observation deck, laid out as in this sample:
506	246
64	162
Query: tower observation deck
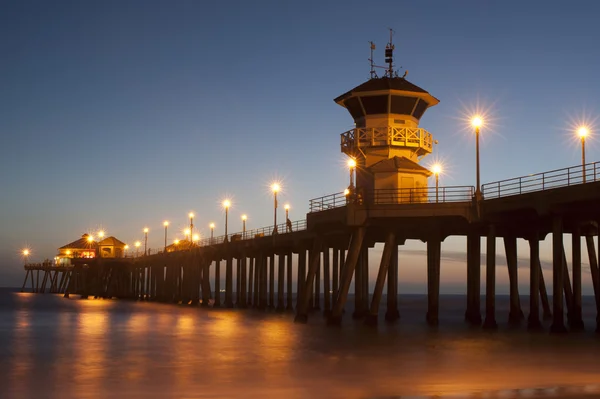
387	142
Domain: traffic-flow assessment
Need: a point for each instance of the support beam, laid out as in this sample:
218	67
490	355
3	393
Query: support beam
576	319
589	241
558	324
533	320
515	314
359	312
243	268
251	282
349	266
272	281
280	282
434	253
317	285
301	280
547	312
490	280
326	283
386	256
335	272
392	314
568	290
473	314
217	302
304	301
290	298
229	282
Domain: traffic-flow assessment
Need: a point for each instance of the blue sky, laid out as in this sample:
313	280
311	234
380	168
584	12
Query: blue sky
122	114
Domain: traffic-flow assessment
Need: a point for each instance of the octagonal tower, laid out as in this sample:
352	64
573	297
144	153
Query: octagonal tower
387	142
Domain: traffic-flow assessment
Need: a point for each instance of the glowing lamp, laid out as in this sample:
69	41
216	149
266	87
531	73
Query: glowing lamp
244	217
352	163
437	169
226	203
275	187
583	131
477	121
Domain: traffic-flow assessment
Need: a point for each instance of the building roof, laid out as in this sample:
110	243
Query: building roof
82	243
399	163
112	241
384	83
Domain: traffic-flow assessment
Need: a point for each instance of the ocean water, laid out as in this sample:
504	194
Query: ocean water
51	347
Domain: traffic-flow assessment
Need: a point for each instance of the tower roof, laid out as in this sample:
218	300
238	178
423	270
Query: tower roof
386	83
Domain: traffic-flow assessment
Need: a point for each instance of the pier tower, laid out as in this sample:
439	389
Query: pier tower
387	142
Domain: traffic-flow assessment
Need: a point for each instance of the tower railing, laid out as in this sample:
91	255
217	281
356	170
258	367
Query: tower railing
543	181
387	135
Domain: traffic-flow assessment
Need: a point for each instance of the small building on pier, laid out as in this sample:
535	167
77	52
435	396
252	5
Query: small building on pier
87	248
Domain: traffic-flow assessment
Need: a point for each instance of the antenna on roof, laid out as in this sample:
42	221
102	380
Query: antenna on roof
373	73
389	56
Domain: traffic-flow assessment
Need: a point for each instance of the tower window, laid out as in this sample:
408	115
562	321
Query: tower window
402	105
375	104
420	109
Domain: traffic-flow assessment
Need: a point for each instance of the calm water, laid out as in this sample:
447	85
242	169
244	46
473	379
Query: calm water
71	348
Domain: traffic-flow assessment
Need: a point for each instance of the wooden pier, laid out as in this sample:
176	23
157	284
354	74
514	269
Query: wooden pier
331	249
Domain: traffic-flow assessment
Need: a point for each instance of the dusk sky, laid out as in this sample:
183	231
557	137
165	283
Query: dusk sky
123	114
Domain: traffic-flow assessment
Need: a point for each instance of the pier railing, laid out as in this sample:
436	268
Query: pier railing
542	181
282	228
395	196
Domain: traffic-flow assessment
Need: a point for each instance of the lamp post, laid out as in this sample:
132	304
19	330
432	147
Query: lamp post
145	241
275	187
351	167
196	238
437	169
137	247
26	254
191	215
244	218
212	232
226	205
125	248
101	234
477	122
583	132
166	224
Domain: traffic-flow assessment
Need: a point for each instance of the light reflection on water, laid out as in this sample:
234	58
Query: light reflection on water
54	347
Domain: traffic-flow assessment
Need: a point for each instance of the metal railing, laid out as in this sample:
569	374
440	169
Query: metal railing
395	196
387	135
542	181
328	202
283	228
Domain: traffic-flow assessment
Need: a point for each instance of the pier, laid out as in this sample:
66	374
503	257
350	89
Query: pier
331	250
388	201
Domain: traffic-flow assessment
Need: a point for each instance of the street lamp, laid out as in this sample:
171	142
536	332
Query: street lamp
125	248
196	237
166	224
352	167
101	234
437	169
226	205
244	218
583	132
191	215
275	187
26	254
137	247
477	122
145	241
212	231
